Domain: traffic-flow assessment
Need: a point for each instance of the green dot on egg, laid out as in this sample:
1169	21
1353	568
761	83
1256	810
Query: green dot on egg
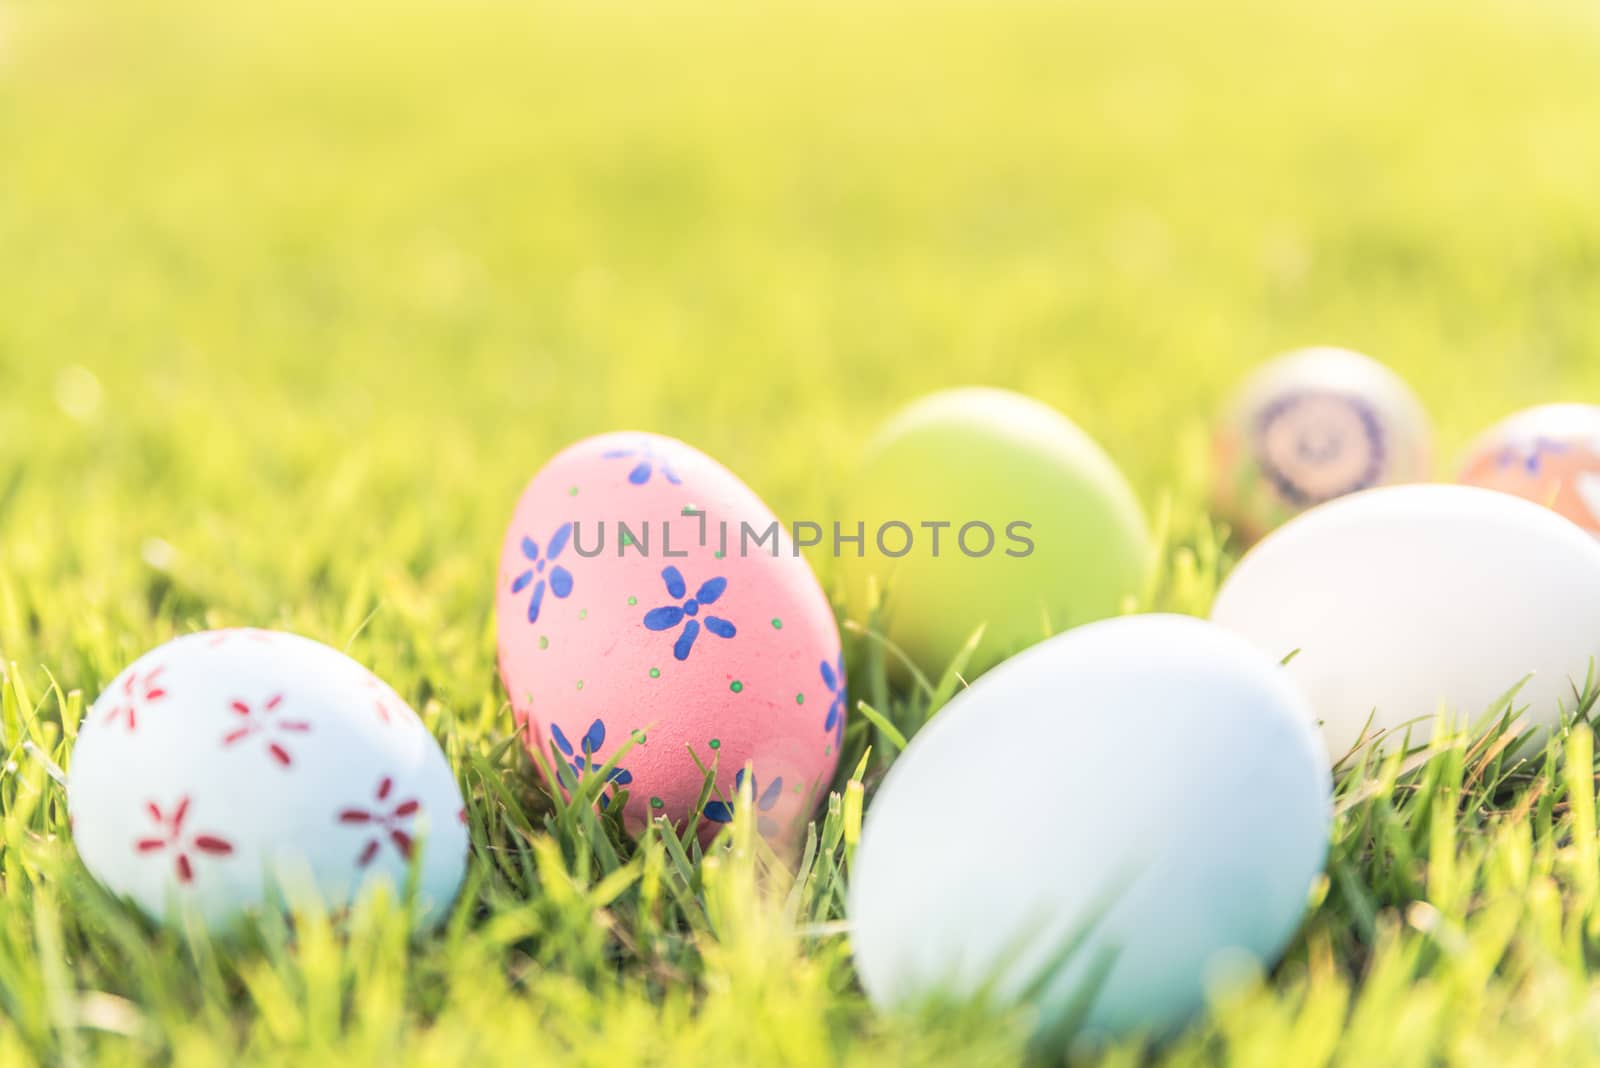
655	673
633	600
736	686
777	624
580	684
583	613
573	492
716	743
689	509
799	698
718	554
656	802
638	736
544	642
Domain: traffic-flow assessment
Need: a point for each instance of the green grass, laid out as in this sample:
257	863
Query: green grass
294	299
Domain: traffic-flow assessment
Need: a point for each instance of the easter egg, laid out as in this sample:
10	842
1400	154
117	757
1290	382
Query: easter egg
646	595
1406	601
1150	784
235	769
984	507
1549	454
1311	426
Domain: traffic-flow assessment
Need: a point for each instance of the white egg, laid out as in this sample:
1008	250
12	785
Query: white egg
234	769
1409	601
1152	780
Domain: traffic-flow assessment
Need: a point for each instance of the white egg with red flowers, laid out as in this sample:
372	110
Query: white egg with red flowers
229	771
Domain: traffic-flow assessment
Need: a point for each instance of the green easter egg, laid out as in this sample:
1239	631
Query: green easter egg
982	506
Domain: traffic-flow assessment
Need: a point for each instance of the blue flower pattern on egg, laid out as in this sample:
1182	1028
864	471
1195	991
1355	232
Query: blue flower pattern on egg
560	579
668	616
580	758
766	800
833	679
649	461
1531	458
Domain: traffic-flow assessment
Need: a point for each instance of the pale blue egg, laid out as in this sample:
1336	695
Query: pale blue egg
1154	781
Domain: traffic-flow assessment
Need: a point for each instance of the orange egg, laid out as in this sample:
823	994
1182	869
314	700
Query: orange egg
1549	454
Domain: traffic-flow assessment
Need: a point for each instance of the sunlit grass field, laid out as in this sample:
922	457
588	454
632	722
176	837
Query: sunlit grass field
295	298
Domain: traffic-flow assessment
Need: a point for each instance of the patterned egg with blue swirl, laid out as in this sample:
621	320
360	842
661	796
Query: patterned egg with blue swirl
1312	426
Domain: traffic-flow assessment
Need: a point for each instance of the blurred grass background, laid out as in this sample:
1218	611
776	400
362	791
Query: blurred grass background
363	267
294	298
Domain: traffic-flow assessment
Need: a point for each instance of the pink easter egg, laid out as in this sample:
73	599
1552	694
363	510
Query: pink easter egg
646	593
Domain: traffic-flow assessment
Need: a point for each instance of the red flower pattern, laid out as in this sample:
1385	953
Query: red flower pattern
386	823
265	720
136	691
378	702
172	839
